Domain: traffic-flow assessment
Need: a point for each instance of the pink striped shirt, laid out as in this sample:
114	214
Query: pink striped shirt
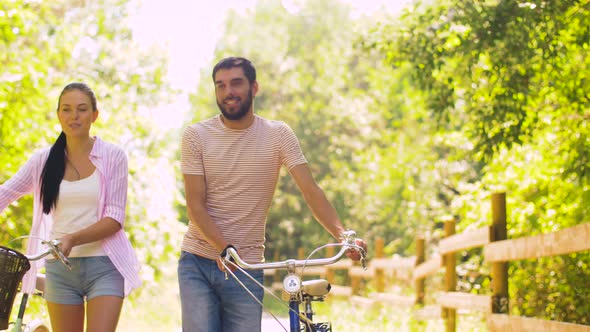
111	164
241	169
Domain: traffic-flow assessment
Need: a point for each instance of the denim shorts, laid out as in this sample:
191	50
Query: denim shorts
90	277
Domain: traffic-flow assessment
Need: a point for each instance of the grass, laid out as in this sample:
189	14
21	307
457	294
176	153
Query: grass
157	308
152	311
347	316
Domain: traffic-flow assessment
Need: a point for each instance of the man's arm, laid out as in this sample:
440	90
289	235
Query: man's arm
315	198
196	198
321	208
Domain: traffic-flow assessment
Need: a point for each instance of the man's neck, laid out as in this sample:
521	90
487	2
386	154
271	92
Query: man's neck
242	123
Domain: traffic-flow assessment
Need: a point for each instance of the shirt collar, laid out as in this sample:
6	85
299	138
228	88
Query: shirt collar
94	153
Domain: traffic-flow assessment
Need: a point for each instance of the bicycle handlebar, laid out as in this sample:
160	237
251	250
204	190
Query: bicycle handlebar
53	249
348	242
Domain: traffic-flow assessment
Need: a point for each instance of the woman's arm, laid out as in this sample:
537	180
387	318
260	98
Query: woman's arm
20	184
95	232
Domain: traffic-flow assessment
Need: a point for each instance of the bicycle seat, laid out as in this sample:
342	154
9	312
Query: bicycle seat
316	287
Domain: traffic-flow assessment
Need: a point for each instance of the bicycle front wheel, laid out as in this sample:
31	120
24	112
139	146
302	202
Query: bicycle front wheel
36	325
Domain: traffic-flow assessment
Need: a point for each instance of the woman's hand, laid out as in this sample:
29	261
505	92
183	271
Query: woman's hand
67	243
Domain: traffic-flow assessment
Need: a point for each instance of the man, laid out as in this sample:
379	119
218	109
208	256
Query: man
230	164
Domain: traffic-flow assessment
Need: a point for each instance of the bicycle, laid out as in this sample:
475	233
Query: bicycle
300	292
13	266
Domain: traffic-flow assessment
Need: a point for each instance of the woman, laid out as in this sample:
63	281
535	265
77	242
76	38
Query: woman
80	192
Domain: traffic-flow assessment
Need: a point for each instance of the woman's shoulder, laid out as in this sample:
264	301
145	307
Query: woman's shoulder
37	158
103	147
41	154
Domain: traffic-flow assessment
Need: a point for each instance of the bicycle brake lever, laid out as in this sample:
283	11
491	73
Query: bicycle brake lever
54	245
228	258
363	254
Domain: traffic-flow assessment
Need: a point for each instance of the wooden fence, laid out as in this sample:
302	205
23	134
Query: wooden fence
497	251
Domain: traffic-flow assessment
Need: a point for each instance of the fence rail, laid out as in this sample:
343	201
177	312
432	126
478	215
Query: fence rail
497	251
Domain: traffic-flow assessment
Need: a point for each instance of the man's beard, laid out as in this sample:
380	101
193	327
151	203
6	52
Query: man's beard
242	111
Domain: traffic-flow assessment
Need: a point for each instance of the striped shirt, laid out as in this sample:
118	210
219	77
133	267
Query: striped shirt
241	170
111	164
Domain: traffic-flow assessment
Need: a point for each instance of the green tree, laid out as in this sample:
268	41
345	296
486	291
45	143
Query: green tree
506	79
497	70
312	77
45	45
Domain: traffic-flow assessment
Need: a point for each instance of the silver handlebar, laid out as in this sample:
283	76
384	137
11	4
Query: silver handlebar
53	249
348	242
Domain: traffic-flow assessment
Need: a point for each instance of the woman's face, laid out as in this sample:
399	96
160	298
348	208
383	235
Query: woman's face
75	113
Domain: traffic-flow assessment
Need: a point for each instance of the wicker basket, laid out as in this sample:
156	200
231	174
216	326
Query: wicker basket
13	266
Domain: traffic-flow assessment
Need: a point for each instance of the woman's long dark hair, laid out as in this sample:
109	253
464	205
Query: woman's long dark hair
55	166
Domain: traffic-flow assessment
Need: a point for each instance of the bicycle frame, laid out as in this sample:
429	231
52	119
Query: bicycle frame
52	249
299	291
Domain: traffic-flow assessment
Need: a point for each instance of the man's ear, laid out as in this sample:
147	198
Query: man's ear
254	88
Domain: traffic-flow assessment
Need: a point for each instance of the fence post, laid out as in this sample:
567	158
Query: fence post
419	283
379	273
300	253
499	269
450	261
355	285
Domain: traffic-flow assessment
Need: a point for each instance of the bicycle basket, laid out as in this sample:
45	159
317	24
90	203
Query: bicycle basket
13	266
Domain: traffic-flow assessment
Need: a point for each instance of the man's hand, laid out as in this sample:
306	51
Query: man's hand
221	260
354	254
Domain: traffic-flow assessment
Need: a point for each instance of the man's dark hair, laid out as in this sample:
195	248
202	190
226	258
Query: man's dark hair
233	62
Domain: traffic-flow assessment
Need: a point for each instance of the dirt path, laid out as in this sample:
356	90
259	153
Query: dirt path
269	324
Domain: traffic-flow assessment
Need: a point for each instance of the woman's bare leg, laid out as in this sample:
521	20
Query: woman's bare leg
103	313
66	317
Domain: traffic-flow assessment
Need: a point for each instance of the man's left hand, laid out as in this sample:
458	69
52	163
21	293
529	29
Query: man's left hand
355	254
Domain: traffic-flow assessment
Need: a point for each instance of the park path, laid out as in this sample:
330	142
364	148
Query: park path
269	324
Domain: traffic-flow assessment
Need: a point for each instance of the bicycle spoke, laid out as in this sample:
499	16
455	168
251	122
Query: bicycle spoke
302	317
330	245
318	249
233	259
249	292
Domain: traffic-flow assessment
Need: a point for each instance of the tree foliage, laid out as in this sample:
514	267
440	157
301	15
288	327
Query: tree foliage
46	44
311	78
504	81
497	69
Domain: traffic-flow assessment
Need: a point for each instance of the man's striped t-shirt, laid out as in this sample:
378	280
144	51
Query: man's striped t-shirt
241	170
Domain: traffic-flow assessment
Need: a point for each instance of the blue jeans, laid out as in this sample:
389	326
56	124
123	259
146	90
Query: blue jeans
212	304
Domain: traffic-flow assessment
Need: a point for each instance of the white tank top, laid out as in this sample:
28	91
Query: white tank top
77	208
